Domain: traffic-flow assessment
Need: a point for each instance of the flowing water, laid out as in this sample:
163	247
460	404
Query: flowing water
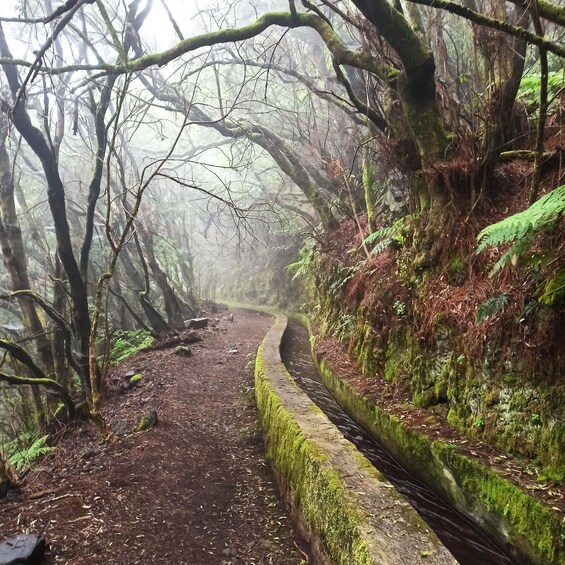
468	544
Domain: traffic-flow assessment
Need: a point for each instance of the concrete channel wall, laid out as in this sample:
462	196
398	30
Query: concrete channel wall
347	510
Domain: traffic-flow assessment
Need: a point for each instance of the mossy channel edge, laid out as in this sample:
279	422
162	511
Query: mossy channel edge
531	531
343	506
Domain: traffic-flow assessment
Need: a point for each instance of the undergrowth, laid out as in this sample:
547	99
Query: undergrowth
127	343
529	90
451	297
522	228
26	449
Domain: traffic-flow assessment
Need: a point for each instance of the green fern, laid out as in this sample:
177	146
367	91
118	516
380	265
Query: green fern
529	90
342	274
303	266
491	306
126	343
521	228
385	236
23	457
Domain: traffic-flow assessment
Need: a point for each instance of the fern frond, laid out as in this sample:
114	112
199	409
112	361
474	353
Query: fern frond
542	215
302	267
379	234
384	236
521	246
491	306
23	458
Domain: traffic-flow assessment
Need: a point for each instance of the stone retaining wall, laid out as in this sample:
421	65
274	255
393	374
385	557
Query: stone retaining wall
531	531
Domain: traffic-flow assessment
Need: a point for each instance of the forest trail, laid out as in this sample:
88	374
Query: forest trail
194	490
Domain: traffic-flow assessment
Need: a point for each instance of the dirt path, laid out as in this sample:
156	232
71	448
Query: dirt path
194	490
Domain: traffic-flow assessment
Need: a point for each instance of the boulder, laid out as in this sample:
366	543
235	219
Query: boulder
196	323
8	488
134	380
25	549
149	420
183	351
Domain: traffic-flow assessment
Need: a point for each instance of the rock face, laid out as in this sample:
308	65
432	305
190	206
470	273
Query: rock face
26	549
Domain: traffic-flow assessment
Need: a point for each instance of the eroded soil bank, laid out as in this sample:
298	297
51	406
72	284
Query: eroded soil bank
194	490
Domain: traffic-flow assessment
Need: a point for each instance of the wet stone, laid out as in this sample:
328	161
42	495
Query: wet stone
229	552
134	380
183	351
196	323
25	549
148	421
8	488
90	453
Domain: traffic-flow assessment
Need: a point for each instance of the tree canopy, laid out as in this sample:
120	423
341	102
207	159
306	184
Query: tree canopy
140	142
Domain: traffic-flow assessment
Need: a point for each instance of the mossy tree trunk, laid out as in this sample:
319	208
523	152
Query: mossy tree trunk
369	182
503	60
416	90
15	259
7	471
176	309
142	288
60	305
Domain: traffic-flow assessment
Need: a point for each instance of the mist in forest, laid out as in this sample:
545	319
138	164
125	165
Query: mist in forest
160	155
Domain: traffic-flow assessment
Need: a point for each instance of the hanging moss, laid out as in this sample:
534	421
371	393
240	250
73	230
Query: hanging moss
554	293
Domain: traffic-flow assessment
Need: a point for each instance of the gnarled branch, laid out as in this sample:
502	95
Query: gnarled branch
50	386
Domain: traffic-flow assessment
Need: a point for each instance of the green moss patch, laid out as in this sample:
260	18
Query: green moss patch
311	486
135	380
554	293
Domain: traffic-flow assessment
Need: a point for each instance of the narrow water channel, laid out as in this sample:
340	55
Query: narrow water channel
468	544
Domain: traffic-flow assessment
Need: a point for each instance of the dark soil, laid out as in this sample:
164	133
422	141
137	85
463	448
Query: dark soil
194	490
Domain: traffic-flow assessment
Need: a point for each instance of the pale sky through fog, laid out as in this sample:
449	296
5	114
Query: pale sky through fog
157	29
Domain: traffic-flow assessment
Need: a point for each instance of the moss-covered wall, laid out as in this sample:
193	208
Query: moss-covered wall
509	408
495	397
533	533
